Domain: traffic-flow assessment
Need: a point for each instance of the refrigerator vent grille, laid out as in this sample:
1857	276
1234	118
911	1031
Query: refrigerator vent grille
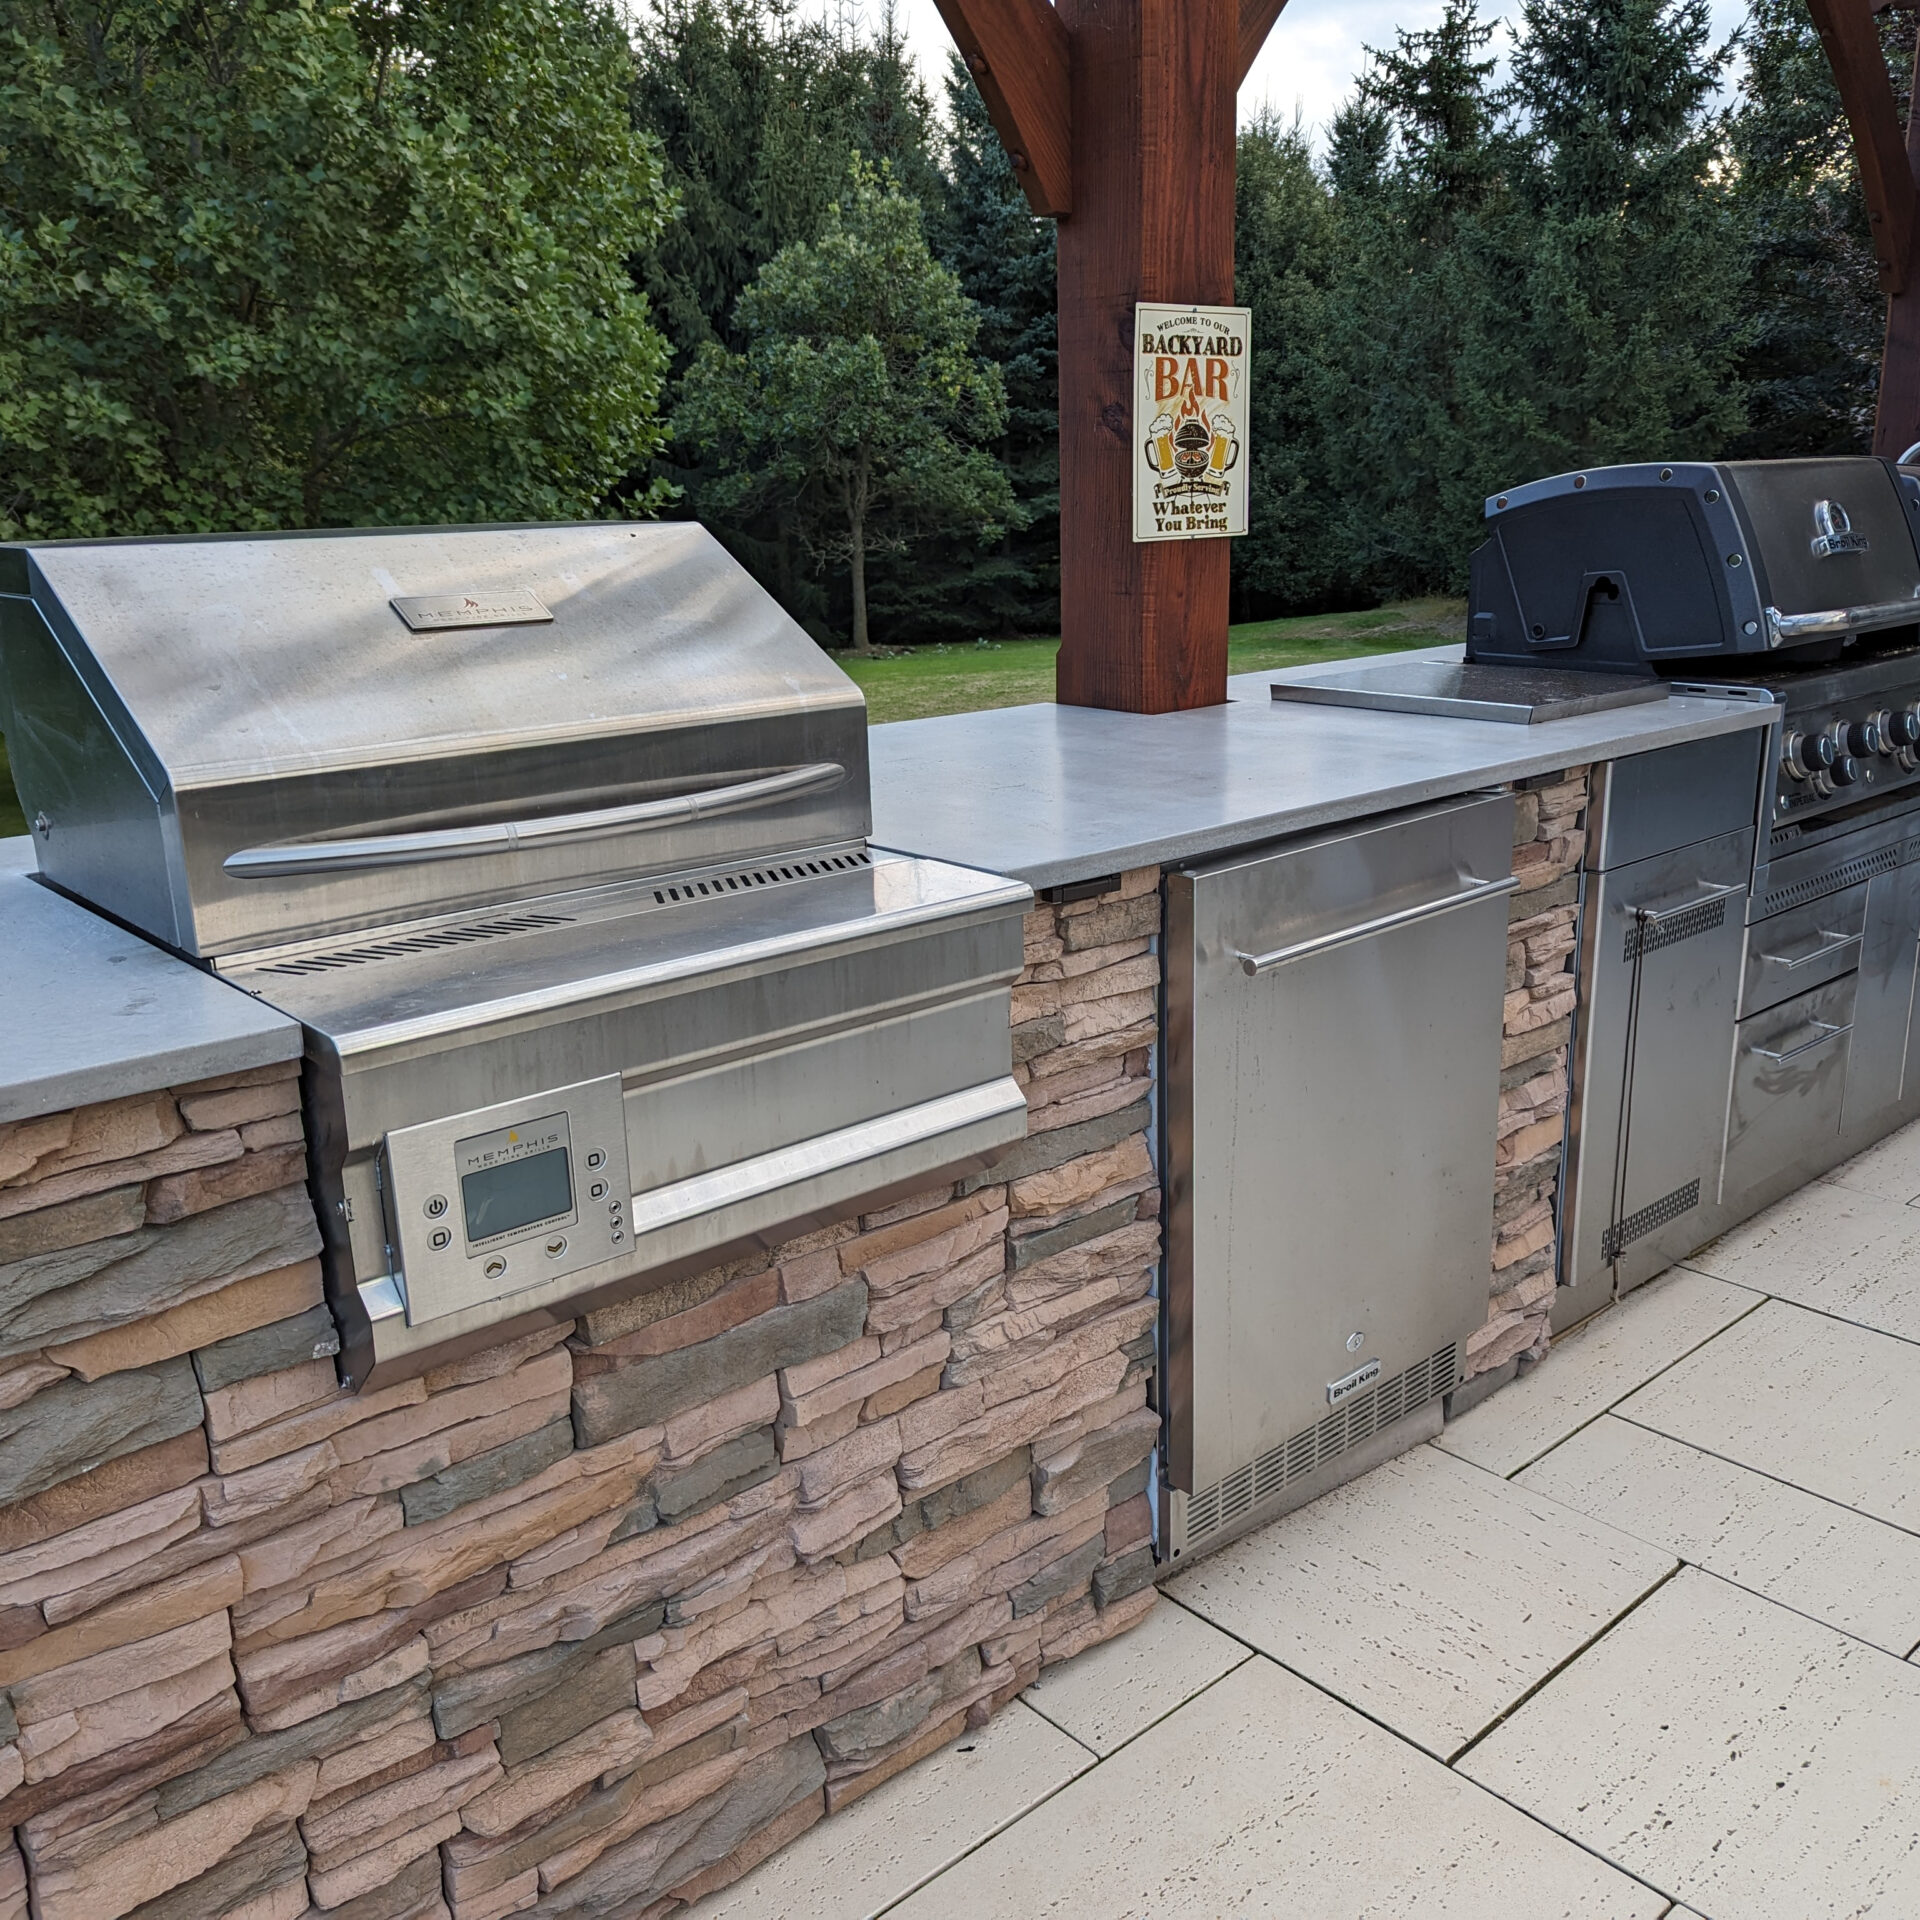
1847	874
1356	1420
1671	930
711	885
495	929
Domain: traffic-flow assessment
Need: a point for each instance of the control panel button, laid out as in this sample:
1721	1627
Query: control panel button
596	1159
439	1239
436	1206
495	1269
556	1246
616	1236
598	1190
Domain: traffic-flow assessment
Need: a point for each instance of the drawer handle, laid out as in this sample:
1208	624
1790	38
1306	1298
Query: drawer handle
1254	964
1710	891
1829	941
1827	1031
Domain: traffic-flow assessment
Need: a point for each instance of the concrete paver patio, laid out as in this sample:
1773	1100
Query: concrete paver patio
1636	1637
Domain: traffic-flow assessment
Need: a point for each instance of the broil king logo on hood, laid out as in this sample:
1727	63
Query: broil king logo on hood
1833	531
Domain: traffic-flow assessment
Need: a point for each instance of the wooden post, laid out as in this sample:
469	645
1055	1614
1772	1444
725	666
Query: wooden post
1889	170
1137	97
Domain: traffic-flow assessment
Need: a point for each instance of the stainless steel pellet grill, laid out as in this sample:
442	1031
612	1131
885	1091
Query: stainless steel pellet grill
554	839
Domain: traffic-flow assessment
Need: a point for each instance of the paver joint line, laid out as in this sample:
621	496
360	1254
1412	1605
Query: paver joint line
1759	1301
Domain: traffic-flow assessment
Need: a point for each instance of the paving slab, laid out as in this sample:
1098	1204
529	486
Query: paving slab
859	1862
1591	1367
1810	1400
1754	1763
1114	1692
1430	1594
1890	1168
1835	1248
1857	1574
1262	1796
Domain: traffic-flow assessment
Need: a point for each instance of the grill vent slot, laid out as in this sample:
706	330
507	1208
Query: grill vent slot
1616	1239
496	929
1674	928
711	886
1358	1419
1831	881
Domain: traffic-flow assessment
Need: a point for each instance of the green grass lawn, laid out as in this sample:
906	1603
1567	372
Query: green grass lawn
918	681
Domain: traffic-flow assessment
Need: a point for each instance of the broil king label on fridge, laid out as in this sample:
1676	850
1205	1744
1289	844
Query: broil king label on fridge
1190	421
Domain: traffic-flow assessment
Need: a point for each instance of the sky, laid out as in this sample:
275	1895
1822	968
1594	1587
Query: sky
1309	61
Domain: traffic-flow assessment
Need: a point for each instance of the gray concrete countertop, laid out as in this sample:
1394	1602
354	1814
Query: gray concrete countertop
1051	794
89	1012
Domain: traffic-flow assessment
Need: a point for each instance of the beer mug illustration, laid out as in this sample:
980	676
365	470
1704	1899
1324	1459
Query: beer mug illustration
1224	451
1160	444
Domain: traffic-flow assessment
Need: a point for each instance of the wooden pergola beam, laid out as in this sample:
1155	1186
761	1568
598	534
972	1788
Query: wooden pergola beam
1256	22
1852	44
1017	52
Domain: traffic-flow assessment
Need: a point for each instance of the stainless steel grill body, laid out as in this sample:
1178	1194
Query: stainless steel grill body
554	841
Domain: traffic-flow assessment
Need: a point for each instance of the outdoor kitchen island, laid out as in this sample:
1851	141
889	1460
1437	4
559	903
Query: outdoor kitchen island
592	1619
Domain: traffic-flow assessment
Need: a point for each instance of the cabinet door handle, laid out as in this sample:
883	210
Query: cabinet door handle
1828	941
1710	891
1254	964
1827	1031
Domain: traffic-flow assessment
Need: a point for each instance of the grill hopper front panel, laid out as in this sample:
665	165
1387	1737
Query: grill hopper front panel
785	1054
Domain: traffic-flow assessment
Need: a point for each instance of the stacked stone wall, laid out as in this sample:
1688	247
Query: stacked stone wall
1537	1029
589	1622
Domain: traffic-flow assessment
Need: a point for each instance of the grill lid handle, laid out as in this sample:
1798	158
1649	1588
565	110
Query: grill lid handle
503	836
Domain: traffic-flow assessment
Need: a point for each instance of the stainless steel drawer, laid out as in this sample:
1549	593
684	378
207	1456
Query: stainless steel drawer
1789	1078
1804	948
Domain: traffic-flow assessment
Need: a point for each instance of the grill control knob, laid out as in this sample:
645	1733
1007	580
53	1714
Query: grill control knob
1903	727
1844	771
1818	751
1861	737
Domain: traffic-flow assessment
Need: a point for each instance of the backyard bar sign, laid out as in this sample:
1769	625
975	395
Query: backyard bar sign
1189	422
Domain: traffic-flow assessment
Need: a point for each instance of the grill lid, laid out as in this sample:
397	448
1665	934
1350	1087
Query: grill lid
1624	568
242	741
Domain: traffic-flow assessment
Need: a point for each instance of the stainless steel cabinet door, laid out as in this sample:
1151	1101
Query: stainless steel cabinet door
1878	1076
1660	974
1332	1089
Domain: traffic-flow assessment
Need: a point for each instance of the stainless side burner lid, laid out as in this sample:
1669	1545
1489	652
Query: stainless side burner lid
303	734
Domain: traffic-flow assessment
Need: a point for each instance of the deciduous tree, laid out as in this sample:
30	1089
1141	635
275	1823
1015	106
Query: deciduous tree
857	403
270	263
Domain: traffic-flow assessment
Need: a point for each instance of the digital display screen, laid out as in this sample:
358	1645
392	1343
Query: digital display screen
517	1193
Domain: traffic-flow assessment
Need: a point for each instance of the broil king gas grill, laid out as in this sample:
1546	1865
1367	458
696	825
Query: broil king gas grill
554	841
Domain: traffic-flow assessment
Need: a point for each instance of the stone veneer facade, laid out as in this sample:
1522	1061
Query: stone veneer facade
589	1622
1537	1030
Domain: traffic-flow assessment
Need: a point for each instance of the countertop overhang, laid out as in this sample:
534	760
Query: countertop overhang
1050	794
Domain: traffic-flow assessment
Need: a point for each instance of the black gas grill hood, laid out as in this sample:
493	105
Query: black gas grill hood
1646	569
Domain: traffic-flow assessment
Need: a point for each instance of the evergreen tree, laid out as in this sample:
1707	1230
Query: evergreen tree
1283	234
857	404
1524	278
266	265
1811	363
982	229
